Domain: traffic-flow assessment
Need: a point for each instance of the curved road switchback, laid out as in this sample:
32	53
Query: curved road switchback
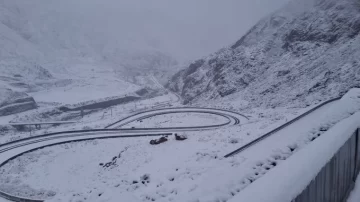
14	149
233	117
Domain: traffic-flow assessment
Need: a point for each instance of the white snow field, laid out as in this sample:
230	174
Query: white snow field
190	170
68	53
61	52
97	119
85	82
297	172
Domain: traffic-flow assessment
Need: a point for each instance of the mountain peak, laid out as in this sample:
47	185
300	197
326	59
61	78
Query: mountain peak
294	57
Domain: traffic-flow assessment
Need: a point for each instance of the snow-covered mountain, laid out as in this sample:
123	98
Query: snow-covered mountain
307	51
57	50
51	52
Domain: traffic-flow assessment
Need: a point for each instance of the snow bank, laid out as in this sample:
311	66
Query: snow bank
289	179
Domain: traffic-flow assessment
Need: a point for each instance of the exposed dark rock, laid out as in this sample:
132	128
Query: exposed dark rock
286	58
114	159
15	102
194	66
102	104
283	73
145	177
234	141
142	92
324	128
158	141
180	137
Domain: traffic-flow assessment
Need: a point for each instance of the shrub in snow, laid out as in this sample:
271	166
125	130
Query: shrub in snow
233	141
293	147
86	128
324	128
144	179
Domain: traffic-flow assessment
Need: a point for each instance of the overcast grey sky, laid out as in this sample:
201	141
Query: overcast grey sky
204	26
193	28
186	29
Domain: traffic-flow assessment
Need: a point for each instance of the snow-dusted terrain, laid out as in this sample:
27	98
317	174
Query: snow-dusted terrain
53	50
96	119
189	170
298	171
86	82
102	64
305	52
53	57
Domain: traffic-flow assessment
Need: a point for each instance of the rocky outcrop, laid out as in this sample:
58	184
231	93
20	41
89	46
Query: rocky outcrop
15	102
293	56
180	137
158	141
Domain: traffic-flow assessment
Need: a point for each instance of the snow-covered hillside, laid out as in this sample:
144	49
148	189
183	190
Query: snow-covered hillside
305	52
44	42
49	54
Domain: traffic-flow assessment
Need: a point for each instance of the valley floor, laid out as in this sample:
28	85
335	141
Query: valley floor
192	170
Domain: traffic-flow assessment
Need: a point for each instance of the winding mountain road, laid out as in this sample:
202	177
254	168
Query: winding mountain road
11	150
232	117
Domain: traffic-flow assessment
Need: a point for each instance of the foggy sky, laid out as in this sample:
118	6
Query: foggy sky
204	26
193	28
186	29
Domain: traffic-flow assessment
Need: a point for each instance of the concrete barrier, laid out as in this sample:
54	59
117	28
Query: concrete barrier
337	178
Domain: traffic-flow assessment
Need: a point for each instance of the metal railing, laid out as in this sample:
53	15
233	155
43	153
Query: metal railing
278	128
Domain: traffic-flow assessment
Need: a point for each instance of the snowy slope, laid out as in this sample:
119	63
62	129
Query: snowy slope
190	170
52	53
304	52
43	41
23	80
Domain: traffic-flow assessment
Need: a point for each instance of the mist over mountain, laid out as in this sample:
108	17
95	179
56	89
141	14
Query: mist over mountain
305	52
49	44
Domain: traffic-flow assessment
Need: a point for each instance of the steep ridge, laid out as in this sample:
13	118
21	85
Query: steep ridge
304	52
18	69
